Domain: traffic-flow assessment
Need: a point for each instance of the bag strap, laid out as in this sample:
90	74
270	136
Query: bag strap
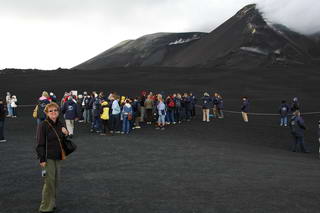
62	151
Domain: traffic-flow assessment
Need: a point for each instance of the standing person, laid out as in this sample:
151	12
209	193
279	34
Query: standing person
142	108
205	107
295	105
80	108
115	115
50	152
161	107
149	106
245	109
70	112
87	108
178	108
193	105
53	97
8	102
220	107
126	117
43	101
2	119
14	106
96	109
298	127
284	111
136	113
170	110
215	102
188	106
104	116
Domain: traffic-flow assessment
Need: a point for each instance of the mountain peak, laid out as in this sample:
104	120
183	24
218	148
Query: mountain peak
247	9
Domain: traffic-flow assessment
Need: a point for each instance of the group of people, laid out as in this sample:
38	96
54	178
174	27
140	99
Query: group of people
119	114
11	103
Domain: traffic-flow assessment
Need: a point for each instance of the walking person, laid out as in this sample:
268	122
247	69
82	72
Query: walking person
126	117
205	107
215	102
50	152
2	119
245	109
14	106
70	111
8	102
284	111
161	108
298	127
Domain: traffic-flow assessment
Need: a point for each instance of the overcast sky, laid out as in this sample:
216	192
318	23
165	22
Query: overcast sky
47	34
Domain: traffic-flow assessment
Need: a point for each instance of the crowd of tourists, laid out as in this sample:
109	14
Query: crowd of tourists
115	114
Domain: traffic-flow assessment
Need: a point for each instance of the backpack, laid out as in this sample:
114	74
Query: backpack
171	104
105	113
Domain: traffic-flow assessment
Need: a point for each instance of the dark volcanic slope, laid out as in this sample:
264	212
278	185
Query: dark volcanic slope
245	40
149	50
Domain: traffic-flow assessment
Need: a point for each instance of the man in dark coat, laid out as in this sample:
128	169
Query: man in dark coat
298	127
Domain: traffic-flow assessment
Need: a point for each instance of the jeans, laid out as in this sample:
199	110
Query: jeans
87	115
105	125
170	116
161	119
284	121
298	142
9	109
125	124
96	123
178	114
1	130
188	114
115	122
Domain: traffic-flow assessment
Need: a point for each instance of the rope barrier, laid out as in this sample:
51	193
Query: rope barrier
228	111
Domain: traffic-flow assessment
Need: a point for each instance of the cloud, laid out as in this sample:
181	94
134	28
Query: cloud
50	34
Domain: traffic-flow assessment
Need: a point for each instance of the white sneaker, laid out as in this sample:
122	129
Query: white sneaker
3	141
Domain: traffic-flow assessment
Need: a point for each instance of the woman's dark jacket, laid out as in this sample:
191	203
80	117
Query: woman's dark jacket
45	134
2	112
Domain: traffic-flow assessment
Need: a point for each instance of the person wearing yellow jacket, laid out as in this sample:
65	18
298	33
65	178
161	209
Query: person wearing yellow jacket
104	115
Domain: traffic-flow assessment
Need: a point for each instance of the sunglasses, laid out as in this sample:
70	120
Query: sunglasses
55	110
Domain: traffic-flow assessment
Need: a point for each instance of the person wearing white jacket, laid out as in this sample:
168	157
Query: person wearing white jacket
14	106
8	102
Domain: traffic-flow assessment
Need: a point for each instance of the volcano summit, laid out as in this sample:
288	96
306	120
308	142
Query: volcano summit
245	40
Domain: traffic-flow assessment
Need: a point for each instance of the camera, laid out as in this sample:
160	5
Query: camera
44	173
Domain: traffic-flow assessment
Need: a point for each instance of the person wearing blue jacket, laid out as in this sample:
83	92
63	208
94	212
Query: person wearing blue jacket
206	101
298	127
245	109
70	111
126	117
284	110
